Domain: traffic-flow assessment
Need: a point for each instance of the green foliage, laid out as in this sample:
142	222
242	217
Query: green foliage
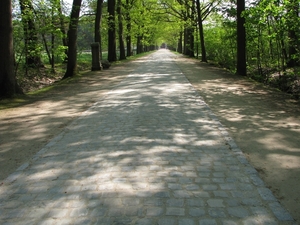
272	27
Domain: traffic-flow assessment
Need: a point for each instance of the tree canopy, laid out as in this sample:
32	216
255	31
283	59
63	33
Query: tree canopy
250	38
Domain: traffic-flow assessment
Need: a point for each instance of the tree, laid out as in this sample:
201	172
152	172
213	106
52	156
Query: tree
8	84
201	32
120	22
112	54
72	39
128	27
98	20
32	53
241	68
293	31
63	30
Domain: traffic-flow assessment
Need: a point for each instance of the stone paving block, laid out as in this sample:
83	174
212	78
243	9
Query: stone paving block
195	202
186	221
144	221
209	187
97	212
201	194
215	203
240	212
228	222
217	213
207	222
166	221
266	194
197	212
175	202
149	152
115	211
281	213
181	194
154	211
172	211
222	194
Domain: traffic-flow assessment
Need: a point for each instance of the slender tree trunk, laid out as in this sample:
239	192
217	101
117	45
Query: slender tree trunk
72	40
63	31
185	41
52	53
8	84
201	32
112	51
139	45
98	20
241	40
46	48
293	12
270	39
188	41
179	48
52	39
32	56
192	42
120	23
128	27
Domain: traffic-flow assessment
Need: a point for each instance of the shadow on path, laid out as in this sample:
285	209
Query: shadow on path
264	122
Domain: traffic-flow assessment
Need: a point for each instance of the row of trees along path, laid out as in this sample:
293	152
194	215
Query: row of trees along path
259	36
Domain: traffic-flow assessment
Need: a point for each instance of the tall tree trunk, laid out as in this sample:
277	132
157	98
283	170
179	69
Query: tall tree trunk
128	27
32	56
192	41
112	54
241	68
63	30
179	47
201	32
8	84
185	41
72	39
188	42
121	41
139	45
293	18
97	36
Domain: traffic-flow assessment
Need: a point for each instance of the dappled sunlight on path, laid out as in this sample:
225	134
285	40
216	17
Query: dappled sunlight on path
264	122
149	152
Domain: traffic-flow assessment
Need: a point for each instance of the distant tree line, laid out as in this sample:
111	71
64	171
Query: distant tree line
257	37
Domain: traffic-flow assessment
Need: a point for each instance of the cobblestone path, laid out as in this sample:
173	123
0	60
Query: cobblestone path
149	152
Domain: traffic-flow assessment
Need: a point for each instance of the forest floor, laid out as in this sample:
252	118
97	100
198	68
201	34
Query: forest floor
264	122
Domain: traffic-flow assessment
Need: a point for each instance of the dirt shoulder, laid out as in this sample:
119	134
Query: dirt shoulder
264	122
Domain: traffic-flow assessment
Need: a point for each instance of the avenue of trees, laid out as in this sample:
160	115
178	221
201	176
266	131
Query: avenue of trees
255	37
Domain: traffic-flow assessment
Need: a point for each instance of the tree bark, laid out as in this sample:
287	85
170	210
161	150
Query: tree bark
179	47
8	84
192	41
128	27
112	55
188	42
139	45
201	32
241	68
120	23
98	20
72	39
293	17
63	31
185	41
